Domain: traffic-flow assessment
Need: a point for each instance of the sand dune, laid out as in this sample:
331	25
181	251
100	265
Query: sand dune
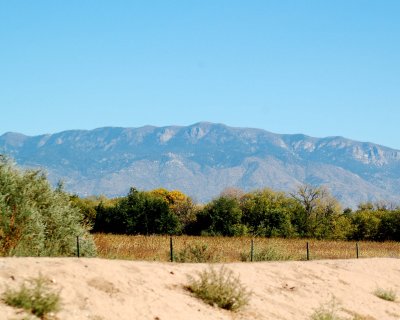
112	289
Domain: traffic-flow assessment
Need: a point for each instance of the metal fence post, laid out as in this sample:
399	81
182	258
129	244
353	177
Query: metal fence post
357	250
252	250
308	251
77	246
171	249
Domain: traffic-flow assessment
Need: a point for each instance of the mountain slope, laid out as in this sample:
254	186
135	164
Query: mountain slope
204	158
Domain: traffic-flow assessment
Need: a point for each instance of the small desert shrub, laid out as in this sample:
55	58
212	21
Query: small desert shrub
385	294
324	315
220	288
360	317
267	254
37	297
327	312
198	253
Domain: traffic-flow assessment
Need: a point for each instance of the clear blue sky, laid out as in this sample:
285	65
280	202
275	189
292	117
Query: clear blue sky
320	68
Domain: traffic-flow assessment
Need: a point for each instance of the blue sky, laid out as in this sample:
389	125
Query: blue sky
320	68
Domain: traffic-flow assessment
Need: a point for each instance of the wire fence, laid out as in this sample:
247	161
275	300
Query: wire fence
234	249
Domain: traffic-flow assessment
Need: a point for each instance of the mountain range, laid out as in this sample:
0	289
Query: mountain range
204	158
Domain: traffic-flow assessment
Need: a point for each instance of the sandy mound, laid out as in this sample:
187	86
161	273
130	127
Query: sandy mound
113	289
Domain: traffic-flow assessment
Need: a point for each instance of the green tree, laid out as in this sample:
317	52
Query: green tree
321	214
268	213
366	222
180	204
87	207
137	213
389	228
222	216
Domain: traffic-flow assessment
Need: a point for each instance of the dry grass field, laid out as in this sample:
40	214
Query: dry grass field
226	249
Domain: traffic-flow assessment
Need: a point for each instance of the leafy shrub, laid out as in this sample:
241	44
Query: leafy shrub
220	288
37	297
386	294
36	220
198	253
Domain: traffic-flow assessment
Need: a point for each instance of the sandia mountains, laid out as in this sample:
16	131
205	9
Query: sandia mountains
203	159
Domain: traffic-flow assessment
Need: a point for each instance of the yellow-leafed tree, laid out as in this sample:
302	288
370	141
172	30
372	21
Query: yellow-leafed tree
179	203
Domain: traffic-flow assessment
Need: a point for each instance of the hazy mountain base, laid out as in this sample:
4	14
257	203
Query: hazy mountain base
203	159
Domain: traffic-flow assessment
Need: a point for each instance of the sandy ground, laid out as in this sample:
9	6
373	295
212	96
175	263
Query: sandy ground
100	289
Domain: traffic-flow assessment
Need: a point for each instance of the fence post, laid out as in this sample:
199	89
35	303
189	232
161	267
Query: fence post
77	246
252	250
357	250
171	249
308	251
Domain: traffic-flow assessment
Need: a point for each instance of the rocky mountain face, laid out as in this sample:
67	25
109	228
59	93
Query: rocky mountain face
205	158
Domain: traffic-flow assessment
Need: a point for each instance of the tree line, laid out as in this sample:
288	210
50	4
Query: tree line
309	212
38	220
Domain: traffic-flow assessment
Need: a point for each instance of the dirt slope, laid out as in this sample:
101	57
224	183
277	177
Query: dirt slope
112	289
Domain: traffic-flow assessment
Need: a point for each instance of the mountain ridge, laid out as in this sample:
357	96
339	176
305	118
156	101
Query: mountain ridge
204	158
